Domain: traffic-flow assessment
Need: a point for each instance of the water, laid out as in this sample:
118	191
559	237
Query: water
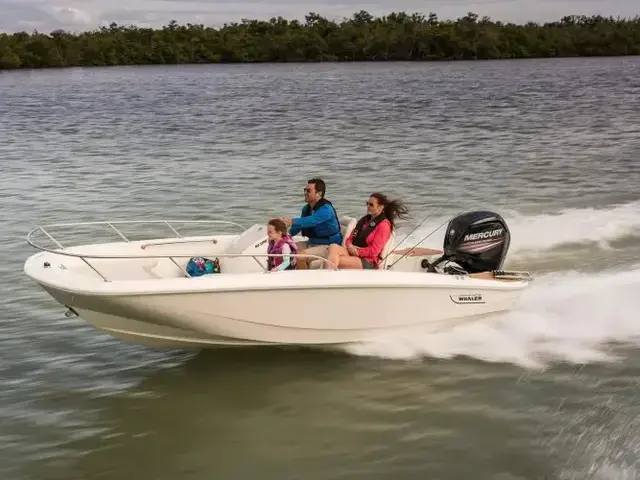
546	391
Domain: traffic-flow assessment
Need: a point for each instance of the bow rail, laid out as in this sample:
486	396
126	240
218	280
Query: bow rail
63	250
111	224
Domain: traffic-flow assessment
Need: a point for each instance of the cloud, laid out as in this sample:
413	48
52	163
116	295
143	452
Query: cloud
76	15
72	16
16	15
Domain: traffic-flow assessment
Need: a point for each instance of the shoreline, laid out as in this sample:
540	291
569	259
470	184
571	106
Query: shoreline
396	37
313	62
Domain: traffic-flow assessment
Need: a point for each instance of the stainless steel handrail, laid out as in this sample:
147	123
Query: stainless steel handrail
84	256
176	241
172	257
111	224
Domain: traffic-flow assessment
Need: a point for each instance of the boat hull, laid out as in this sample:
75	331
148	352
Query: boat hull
161	337
342	309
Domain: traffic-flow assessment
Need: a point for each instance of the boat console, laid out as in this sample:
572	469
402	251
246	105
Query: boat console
253	241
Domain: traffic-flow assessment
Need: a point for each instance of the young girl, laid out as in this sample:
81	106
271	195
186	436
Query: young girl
280	243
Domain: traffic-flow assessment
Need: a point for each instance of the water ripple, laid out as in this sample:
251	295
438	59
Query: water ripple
536	137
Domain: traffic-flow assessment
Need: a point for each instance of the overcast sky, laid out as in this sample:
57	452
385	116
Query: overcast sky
47	15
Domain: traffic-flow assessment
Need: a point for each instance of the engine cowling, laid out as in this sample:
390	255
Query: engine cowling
477	241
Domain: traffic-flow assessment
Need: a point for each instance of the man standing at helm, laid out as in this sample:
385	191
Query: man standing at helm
319	223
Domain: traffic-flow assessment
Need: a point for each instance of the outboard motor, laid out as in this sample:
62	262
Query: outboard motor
476	241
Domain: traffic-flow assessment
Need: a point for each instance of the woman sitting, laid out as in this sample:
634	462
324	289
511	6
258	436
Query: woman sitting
364	245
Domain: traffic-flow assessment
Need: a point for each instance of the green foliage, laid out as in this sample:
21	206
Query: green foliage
397	36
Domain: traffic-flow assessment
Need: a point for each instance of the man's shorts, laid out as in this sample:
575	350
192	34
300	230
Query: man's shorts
317	250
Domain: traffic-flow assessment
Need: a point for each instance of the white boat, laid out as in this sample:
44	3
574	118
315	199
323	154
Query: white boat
140	290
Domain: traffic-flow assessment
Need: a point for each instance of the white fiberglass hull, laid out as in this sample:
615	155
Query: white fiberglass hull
314	307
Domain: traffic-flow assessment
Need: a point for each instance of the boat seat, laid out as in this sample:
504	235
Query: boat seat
388	248
347	224
126	270
166	268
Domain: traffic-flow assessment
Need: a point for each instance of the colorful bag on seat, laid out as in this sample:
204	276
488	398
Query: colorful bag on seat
198	266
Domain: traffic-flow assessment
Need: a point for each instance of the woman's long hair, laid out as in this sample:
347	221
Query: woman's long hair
393	209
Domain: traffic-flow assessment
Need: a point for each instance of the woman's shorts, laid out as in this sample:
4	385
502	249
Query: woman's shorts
367	265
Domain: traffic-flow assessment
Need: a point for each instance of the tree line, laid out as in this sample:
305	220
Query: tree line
397	36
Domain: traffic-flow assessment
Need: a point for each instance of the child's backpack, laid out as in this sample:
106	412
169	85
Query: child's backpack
198	266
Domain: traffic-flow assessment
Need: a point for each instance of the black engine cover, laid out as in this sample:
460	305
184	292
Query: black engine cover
477	241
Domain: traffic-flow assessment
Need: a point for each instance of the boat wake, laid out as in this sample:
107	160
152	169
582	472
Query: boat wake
567	315
572	317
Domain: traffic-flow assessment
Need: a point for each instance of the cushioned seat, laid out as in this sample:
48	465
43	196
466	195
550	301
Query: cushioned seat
388	248
166	268
347	224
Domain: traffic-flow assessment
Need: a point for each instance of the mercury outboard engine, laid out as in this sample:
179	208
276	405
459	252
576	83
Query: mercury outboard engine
476	241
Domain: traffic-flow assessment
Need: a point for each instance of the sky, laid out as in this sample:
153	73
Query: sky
79	15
